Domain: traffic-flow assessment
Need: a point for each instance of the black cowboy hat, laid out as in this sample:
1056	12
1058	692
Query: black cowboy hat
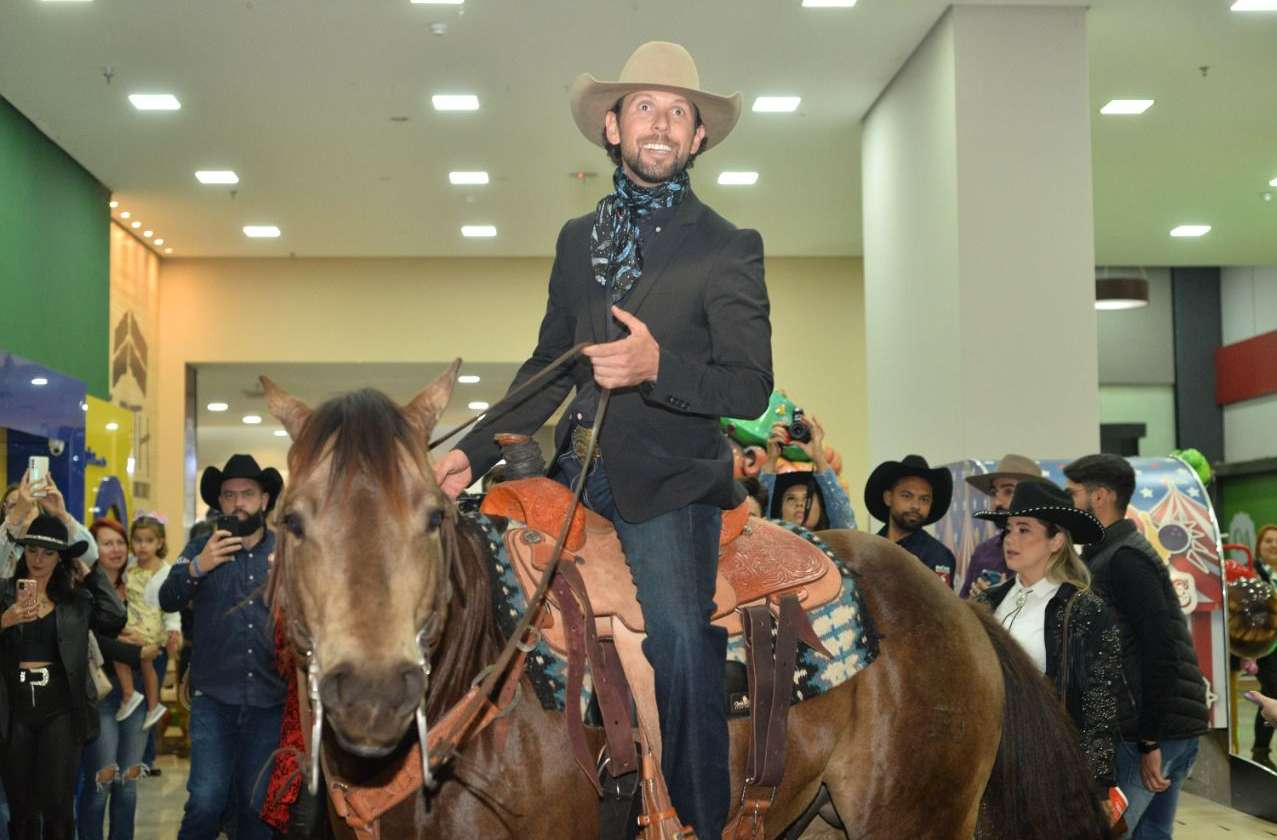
240	466
886	474
51	532
1046	501
788	479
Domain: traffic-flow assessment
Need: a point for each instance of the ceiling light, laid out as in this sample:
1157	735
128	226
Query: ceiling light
461	178
136	225
68	1
468	379
155	101
1112	293
1126	107
479	231
776	104
159	242
1273	183
1190	230
40	381
112	426
126	214
738	179
437	2
252	419
216	176
1254	6
477	405
829	4
113	204
148	233
261	231
218	406
455	102
281	433
168	250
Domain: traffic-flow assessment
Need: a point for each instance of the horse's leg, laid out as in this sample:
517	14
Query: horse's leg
920	726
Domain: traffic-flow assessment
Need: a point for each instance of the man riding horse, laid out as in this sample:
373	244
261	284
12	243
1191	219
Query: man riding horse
667	362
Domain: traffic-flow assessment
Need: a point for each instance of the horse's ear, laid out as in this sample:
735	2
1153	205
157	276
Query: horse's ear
285	408
426	407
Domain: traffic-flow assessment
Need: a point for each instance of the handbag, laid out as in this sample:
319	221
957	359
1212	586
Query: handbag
97	673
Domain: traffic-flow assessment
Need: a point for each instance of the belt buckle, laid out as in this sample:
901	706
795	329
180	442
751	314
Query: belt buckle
581	443
44	677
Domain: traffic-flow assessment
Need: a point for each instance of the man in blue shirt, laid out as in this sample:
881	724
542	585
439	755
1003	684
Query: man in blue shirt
909	495
237	694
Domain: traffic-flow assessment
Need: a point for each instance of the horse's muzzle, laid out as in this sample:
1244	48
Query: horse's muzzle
370	708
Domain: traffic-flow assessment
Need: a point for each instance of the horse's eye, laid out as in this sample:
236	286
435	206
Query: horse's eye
435	520
293	523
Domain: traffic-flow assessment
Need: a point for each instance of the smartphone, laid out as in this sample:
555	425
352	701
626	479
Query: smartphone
991	577
38	475
26	590
228	523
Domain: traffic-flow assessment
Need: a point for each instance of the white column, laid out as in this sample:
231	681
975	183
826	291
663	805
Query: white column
979	242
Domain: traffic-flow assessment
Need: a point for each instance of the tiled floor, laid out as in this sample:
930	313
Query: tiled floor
160	811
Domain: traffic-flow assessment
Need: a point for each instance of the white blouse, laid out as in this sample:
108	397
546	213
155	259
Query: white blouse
1023	613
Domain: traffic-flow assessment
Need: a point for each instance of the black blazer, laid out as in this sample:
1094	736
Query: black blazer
93	606
703	298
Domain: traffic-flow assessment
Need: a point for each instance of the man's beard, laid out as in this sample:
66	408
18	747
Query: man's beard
904	524
653	175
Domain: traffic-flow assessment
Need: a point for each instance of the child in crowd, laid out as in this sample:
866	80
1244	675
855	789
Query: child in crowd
146	622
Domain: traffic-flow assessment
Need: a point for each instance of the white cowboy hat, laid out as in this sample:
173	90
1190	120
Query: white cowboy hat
656	65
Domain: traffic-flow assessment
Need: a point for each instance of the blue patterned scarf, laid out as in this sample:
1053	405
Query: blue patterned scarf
615	252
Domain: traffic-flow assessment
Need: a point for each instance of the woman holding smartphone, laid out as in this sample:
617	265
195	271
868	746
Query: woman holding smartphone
46	614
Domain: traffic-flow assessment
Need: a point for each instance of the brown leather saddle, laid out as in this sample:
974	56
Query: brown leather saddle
767	576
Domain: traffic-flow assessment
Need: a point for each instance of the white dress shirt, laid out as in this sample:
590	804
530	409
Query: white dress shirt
1023	613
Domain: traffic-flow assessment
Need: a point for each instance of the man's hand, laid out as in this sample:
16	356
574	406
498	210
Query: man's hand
1151	772
453	474
979	585
1267	706
627	361
220	548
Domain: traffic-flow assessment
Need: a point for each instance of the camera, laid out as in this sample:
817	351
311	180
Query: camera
57	446
799	429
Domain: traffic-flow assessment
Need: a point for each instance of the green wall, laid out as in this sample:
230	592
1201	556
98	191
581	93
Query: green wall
55	264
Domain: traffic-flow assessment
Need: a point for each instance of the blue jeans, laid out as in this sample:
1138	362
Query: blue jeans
1151	816
674	561
118	746
229	746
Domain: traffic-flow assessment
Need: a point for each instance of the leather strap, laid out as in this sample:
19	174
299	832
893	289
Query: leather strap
575	619
759	662
659	821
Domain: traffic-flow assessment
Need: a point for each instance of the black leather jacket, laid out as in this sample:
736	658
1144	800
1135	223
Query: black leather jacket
93	606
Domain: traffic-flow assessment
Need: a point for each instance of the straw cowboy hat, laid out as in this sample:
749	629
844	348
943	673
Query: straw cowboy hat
1013	467
657	65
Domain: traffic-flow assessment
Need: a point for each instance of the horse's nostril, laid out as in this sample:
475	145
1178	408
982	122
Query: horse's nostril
414	683
331	686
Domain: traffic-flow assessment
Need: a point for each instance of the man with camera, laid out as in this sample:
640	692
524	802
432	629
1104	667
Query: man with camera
237	694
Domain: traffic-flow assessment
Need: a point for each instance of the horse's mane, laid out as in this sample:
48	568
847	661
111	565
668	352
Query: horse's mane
362	433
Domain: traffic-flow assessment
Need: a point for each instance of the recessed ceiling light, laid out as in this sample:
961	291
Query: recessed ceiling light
1273	183
281	433
40	381
136	225
1126	107
738	179
125	214
112	426
1254	6
261	231
477	405
252	419
479	231
168	250
113	204
148	233
159	242
218	406
776	104
461	178
68	1
155	101
468	379
455	102
1190	230
437	2
216	176
829	4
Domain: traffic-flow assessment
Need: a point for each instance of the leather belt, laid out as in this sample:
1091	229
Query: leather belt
42	672
581	443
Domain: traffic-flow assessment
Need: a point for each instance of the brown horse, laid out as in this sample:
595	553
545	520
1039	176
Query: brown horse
950	732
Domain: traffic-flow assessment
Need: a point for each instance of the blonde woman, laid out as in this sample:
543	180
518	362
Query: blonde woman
1047	606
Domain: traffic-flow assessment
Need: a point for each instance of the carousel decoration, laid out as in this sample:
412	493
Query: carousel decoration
1252	610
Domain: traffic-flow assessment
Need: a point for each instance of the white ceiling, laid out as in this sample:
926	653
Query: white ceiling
297	96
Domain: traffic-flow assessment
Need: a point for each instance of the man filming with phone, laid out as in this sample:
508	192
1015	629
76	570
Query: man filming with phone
237	694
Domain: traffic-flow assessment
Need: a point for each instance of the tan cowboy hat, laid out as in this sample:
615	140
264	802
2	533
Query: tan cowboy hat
657	65
1013	467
